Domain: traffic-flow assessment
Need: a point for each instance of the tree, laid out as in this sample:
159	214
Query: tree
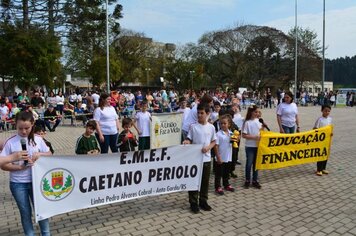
86	35
309	51
263	59
28	56
342	71
134	51
244	55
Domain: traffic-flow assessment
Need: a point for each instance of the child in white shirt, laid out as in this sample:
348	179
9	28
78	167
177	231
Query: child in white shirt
143	123
223	155
322	121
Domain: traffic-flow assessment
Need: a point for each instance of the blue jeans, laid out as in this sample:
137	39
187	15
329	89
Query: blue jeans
288	130
23	195
109	140
251	154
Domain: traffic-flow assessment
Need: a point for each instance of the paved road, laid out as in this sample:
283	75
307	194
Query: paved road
292	201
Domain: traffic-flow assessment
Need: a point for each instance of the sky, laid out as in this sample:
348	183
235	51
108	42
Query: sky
183	21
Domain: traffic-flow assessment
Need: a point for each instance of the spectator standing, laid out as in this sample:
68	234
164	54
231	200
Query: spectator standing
193	114
95	98
60	102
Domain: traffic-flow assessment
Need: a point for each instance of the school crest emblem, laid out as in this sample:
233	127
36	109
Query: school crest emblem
57	184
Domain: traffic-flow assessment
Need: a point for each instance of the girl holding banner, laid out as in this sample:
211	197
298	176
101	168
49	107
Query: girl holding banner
20	172
251	132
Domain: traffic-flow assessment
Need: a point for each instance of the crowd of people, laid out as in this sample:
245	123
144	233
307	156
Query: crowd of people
209	118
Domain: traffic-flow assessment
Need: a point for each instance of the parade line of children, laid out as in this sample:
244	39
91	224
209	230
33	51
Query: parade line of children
214	131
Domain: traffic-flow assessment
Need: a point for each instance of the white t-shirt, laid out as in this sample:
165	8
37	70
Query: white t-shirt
239	96
52	101
143	123
251	127
72	97
79	98
95	98
287	112
60	100
214	116
107	119
192	118
225	146
4	111
202	134
322	121
13	144
185	112
238	120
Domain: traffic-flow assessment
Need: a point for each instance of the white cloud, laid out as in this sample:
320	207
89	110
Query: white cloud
340	30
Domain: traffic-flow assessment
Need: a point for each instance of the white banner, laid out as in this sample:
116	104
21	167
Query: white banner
166	129
341	99
66	183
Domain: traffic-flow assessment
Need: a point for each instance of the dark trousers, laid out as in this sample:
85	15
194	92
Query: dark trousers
201	195
59	108
143	143
109	141
321	165
234	158
48	124
222	172
268	102
40	123
82	117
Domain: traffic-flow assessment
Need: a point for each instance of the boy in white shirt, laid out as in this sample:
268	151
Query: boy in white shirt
202	133
215	114
143	124
322	121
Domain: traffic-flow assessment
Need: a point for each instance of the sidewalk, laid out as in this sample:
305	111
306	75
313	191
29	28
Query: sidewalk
292	201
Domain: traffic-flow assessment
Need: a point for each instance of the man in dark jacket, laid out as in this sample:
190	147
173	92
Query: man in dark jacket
51	118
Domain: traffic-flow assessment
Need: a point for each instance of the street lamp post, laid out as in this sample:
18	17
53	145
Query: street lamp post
191	77
107	49
323	76
147	75
296	51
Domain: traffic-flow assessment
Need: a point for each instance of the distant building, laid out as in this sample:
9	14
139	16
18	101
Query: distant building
314	87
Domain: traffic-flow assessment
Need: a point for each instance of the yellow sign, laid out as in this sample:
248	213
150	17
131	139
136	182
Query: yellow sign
277	150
